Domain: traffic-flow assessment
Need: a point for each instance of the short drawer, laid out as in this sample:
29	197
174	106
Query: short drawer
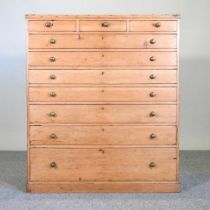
40	114
102	25
104	41
150	26
102	94
103	164
102	134
51	25
96	59
102	76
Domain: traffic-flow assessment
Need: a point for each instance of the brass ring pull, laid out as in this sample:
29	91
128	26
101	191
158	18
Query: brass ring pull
153	136
52	59
152	41
152	165
48	24
152	94
52	76
53	114
53	136
152	114
53	165
52	41
152	58
157	25
105	24
53	94
152	76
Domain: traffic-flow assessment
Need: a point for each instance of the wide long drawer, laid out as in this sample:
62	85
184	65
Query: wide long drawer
103	164
102	134
137	41
103	114
93	58
102	76
102	94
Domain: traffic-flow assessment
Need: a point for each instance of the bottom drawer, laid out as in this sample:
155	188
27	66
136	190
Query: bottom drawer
103	164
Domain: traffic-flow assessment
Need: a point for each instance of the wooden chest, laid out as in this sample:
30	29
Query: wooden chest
103	103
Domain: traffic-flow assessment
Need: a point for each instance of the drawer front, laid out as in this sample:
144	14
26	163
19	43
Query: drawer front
105	164
102	94
82	59
102	25
137	41
102	76
102	134
48	25
151	26
102	114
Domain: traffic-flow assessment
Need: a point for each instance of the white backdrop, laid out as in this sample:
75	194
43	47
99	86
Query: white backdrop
195	61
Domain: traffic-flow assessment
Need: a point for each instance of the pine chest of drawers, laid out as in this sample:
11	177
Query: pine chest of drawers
103	101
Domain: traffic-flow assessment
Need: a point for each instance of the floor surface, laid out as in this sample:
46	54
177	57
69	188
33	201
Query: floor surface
195	195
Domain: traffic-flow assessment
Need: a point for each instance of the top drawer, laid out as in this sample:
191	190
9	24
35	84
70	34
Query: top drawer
150	25
50	25
102	25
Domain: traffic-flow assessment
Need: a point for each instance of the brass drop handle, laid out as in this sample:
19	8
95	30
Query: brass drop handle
152	114
52	59
48	24
53	114
105	24
53	94
152	58
52	76
53	165
152	76
152	94
152	41
53	136
153	136
52	41
152	165
157	24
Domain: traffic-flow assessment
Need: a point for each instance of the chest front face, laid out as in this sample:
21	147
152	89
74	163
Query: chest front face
103	103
